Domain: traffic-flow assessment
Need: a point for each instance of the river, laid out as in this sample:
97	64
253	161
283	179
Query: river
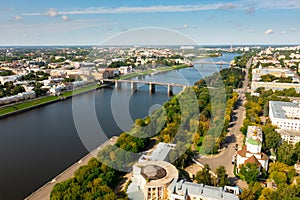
37	145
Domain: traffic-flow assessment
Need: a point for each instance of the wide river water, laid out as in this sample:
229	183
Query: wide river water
37	145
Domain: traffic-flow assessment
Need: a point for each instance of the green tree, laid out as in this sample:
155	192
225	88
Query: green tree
208	144
203	176
250	172
267	194
247	194
17	89
2	92
286	154
297	151
278	177
272	138
222	177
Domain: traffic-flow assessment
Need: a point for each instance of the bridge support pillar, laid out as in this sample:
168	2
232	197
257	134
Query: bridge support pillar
152	88
133	86
117	84
170	90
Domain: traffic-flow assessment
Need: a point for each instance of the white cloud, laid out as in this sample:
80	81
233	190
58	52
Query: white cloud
185	26
65	18
268	32
250	10
293	29
283	32
149	9
246	5
227	6
18	18
52	12
278	4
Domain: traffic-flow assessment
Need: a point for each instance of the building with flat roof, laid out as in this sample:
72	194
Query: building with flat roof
285	115
274	86
186	190
292	137
161	152
275	71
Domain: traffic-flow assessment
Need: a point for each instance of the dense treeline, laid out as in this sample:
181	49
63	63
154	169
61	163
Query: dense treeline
281	172
6	73
9	89
241	61
90	182
197	114
180	121
204	176
37	76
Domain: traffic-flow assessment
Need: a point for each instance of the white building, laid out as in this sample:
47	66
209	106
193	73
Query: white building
125	69
251	152
16	98
56	90
285	115
27	95
192	191
274	86
277	72
154	179
292	137
13	78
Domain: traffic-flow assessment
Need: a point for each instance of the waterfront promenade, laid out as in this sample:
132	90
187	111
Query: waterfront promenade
43	193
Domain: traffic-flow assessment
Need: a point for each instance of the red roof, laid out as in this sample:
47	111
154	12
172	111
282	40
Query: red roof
252	160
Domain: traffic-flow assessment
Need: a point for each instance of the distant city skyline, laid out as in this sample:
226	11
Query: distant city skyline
62	22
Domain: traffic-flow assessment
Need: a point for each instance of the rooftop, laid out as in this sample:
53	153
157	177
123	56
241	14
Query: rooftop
253	160
253	141
255	132
153	172
277	108
160	153
202	191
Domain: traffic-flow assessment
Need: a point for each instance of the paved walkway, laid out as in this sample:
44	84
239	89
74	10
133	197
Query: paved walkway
44	192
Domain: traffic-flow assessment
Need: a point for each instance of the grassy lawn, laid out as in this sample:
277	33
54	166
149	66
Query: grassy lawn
80	90
7	110
28	104
43	100
135	74
160	69
199	148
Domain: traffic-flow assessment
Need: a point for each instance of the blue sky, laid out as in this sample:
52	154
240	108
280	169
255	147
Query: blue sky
63	22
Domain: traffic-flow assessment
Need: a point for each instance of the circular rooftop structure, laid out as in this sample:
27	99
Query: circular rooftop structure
153	172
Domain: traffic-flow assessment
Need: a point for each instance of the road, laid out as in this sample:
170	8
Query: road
234	136
44	192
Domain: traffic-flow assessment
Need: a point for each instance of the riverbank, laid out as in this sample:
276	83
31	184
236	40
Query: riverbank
44	192
150	71
16	108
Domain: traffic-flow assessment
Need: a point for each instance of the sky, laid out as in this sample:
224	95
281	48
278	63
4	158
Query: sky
207	22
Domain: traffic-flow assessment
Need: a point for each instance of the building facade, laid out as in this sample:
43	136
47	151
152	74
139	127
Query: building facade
155	179
251	151
285	115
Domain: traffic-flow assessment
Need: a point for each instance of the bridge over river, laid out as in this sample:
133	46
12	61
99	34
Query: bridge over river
219	63
151	84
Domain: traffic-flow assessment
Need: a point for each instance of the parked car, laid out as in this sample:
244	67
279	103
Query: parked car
233	159
236	147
